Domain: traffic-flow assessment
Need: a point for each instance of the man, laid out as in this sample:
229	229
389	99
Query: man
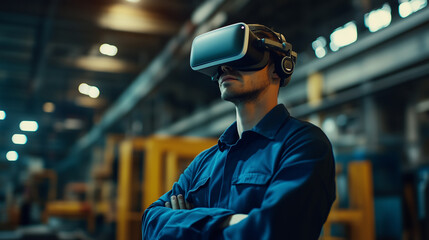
270	176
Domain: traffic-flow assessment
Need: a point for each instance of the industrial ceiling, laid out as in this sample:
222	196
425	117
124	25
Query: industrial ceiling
49	47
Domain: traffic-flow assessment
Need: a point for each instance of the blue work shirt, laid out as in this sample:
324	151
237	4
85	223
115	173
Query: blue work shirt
281	173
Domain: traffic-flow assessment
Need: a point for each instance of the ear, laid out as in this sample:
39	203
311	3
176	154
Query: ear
272	73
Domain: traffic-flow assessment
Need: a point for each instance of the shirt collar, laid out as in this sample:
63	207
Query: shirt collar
267	127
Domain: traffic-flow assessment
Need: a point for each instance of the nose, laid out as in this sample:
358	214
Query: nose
221	70
225	68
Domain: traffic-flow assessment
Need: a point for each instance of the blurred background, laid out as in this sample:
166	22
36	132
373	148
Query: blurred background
100	111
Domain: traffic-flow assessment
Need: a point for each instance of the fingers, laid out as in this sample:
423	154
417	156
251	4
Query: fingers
178	202
174	203
181	202
188	205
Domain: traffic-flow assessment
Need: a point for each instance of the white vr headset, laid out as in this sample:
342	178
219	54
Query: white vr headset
239	48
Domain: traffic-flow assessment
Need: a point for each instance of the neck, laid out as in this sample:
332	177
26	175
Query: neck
248	114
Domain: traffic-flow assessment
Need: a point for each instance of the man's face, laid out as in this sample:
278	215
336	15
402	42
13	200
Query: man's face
241	86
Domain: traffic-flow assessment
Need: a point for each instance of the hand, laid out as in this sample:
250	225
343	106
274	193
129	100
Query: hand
233	219
178	202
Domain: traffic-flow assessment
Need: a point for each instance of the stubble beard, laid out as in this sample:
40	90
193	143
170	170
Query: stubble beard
241	97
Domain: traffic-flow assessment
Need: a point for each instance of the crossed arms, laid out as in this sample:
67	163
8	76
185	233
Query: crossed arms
295	205
178	202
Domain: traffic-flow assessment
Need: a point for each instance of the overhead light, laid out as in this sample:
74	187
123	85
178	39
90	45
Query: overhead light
378	19
319	47
109	50
129	18
91	91
19	139
2	115
405	9
416	5
320	52
343	36
73	124
408	7
84	88
133	1
69	124
48	107
12	156
28	126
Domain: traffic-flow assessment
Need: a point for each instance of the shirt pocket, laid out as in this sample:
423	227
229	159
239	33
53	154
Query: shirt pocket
248	190
198	195
251	179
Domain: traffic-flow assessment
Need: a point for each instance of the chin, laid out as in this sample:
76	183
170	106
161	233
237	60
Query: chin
239	97
227	96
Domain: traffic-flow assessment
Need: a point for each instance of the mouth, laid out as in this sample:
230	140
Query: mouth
227	78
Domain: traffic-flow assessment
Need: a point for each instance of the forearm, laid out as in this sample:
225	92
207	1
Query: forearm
197	223
279	222
298	213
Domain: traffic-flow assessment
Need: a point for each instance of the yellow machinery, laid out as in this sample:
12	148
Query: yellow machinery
92	205
74	208
129	191
359	217
148	167
162	159
166	158
101	194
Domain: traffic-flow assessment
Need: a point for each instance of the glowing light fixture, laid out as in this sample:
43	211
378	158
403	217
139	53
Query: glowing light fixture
73	124
109	50
405	9
378	19
319	47
19	139
84	88
2	115
133	1
343	36
28	126
408	7
91	91
12	156
48	107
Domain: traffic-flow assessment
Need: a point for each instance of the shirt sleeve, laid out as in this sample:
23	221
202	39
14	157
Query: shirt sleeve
299	197
160	222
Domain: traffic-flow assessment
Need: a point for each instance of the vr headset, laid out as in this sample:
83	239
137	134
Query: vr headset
239	48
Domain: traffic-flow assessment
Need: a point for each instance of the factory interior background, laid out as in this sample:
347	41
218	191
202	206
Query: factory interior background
100	111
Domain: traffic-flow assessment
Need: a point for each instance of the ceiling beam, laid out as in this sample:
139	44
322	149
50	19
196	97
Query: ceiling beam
40	52
207	16
411	32
145	82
